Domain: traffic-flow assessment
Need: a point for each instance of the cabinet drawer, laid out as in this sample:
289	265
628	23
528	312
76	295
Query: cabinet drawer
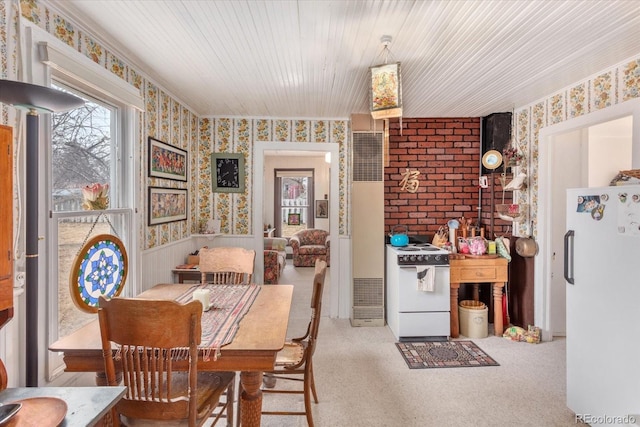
479	270
478	274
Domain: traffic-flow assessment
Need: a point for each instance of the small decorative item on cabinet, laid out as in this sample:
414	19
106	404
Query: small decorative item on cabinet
477	246
472	246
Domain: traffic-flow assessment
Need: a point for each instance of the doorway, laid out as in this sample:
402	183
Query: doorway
339	301
584	152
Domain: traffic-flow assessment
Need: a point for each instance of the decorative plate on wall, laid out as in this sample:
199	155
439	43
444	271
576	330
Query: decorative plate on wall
100	268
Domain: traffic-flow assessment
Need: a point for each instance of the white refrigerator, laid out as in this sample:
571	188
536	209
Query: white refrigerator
602	271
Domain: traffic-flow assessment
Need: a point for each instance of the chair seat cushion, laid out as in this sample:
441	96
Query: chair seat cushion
291	354
312	250
275	243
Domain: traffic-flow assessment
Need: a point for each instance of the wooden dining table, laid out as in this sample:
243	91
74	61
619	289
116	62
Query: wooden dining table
261	334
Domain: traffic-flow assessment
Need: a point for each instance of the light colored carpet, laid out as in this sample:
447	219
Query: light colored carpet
363	381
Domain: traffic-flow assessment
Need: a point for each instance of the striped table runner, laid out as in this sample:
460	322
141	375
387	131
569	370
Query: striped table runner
229	304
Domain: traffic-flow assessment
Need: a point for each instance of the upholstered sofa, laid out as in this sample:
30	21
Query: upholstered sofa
275	257
309	245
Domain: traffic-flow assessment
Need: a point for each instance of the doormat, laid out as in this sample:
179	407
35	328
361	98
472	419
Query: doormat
451	354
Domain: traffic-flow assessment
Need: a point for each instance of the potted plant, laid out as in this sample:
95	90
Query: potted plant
95	197
512	157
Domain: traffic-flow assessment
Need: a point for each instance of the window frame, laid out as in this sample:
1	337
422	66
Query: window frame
121	213
66	67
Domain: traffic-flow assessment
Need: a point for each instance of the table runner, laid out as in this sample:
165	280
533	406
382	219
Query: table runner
229	304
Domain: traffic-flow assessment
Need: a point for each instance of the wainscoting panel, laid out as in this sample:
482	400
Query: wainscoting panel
157	263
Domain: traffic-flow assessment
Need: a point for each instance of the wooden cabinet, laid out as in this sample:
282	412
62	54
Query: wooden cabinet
6	234
6	224
478	270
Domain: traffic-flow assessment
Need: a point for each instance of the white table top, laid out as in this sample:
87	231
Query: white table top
85	405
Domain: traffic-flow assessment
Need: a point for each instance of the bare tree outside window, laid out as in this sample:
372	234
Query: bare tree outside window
82	153
81	146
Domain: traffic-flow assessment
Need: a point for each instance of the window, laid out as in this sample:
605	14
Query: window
294	196
86	148
92	144
82	153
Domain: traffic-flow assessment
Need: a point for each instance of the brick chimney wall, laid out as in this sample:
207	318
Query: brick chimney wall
446	152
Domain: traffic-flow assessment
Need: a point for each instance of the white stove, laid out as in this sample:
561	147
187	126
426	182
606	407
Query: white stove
412	313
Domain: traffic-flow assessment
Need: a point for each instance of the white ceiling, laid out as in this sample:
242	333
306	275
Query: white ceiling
309	58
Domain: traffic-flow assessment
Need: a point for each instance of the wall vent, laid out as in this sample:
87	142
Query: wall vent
367	156
368	302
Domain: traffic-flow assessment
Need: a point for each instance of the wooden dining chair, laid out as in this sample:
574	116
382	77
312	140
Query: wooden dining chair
156	344
295	361
227	265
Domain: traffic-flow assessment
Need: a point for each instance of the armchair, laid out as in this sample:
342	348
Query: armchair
275	257
309	245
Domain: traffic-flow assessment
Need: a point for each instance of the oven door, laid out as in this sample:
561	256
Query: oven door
410	299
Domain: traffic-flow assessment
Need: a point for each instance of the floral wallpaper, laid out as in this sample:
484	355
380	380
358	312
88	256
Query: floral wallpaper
618	84
237	135
167	119
5	64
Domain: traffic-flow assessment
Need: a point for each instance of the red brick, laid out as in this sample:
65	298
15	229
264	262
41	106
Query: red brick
446	152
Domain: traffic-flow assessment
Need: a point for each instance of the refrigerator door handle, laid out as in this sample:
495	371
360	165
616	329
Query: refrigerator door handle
568	256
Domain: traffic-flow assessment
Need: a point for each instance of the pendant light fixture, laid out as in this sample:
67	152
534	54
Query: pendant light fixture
385	93
386	86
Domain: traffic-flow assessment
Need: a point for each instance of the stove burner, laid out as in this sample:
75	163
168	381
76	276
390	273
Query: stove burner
409	249
426	247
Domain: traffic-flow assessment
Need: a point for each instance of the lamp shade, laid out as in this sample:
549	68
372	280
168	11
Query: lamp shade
41	98
386	91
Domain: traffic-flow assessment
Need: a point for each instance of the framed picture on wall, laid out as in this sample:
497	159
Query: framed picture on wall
167	161
322	209
227	172
167	205
293	219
